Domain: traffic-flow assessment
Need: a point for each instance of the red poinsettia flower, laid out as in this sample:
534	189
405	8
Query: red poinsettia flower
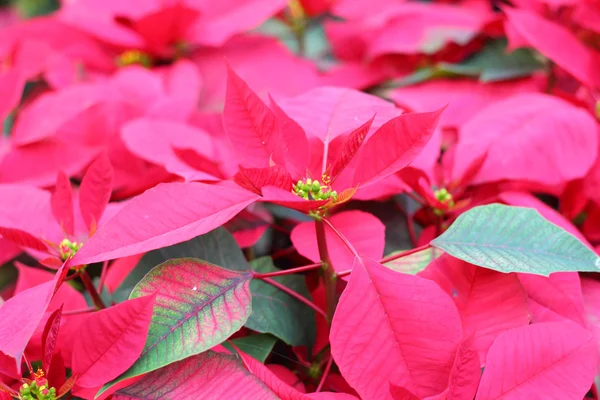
32	228
285	165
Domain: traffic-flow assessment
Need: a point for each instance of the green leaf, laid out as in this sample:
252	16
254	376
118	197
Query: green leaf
413	263
495	64
515	239
258	346
198	305
217	247
276	312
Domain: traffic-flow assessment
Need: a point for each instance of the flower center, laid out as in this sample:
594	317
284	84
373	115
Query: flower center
444	197
131	57
38	388
68	249
313	190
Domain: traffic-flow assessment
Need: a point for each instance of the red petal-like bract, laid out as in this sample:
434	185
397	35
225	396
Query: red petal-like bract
350	147
530	137
24	311
555	360
364	231
253	129
555	42
95	191
62	203
110	340
465	374
393	328
207	375
167	214
489	302
49	337
254	179
394	145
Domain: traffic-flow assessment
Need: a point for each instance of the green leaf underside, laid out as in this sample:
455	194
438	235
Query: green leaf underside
217	247
414	263
276	312
493	64
515	239
258	346
198	305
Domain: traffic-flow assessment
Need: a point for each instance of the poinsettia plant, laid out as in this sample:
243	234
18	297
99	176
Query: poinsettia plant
304	199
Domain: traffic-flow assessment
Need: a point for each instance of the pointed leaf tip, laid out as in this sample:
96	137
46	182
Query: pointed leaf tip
95	191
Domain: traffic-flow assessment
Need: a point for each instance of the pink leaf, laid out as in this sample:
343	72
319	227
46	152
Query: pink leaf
25	311
55	109
350	147
252	127
110	340
254	179
49	337
95	191
62	203
222	20
530	137
158	141
162	216
555	42
489	302
555	360
38	163
465	374
591	295
22	239
394	145
295	138
207	375
373	333
555	297
326	113
363	230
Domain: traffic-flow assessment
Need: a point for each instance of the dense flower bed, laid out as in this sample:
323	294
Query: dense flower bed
304	199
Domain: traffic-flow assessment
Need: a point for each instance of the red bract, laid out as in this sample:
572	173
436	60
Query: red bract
277	148
94	196
387	200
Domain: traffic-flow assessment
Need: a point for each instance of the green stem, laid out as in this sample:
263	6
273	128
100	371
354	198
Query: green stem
329	275
89	285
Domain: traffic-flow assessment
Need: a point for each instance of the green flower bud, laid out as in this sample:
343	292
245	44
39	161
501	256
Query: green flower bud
316	186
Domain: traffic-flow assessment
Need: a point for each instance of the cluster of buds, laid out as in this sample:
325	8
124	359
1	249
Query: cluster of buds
131	57
444	197
313	190
68	249
38	389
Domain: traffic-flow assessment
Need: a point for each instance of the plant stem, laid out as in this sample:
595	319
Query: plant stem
295	295
79	311
89	285
329	276
290	271
325	373
103	276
